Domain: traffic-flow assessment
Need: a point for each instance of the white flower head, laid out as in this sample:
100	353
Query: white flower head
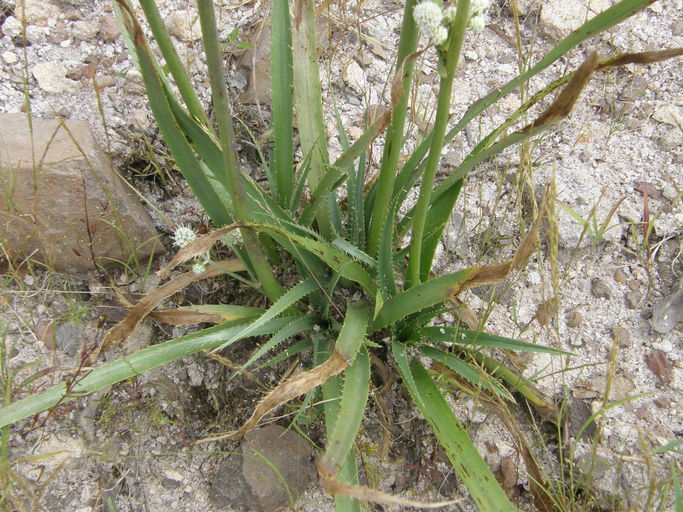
198	267
477	23
440	35
232	238
478	7
183	235
428	17
449	15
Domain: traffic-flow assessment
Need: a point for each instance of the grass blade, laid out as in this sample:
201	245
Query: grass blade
463	455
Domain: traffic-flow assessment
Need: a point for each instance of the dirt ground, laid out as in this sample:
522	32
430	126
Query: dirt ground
617	158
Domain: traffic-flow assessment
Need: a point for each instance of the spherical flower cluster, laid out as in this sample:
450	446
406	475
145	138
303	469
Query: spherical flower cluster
478	10
183	235
428	17
232	238
198	267
200	263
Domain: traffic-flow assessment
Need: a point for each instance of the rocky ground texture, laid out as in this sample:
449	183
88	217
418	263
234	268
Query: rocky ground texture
617	163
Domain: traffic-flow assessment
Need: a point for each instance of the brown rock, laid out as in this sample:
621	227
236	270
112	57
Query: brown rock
574	319
69	210
254	64
632	300
600	289
109	28
619	276
660	365
274	447
648	189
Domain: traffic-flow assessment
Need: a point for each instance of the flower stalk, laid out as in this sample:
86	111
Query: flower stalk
232	176
449	54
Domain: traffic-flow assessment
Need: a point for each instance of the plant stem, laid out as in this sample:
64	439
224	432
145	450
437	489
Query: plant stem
394	137
232	177
450	61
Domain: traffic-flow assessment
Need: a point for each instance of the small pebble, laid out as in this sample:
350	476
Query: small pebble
634	284
10	58
170	483
632	300
662	403
600	289
621	335
574	319
620	277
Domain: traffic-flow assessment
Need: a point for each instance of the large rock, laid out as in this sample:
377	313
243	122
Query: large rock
276	463
61	202
560	17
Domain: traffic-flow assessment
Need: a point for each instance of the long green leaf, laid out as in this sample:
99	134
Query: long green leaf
352	334
467	371
333	257
297	326
308	98
284	303
281	87
130	366
483	339
173	135
352	406
394	136
466	461
172	60
420	297
348	473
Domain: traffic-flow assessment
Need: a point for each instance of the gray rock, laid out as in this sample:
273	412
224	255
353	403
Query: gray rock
600	290
228	489
667	313
85	30
560	17
68	338
70	210
354	76
273	447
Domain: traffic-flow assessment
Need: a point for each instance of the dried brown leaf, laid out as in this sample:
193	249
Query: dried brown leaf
185	317
195	248
565	101
641	58
286	391
122	329
546	311
360	492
